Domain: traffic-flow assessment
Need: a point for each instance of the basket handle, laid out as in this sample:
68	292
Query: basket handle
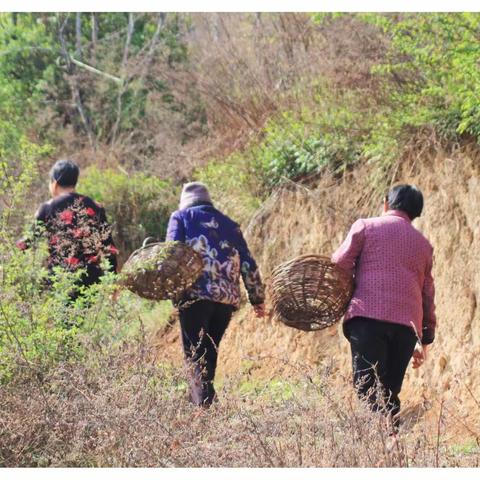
149	240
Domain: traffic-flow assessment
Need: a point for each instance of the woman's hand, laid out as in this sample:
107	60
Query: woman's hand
419	356
259	310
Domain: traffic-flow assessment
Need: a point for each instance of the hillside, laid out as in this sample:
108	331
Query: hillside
299	124
298	220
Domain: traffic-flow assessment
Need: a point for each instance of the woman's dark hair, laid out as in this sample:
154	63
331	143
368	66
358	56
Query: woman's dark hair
407	198
65	173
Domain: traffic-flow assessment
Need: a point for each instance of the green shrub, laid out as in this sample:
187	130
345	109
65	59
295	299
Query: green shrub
431	76
40	326
138	205
432	69
293	149
293	146
429	79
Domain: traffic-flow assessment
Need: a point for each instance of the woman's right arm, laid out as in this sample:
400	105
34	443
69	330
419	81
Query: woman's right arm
250	274
175	229
428	300
347	254
429	317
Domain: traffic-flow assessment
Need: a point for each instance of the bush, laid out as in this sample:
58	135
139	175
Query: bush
430	78
433	69
42	328
139	205
39	325
428	81
121	409
294	149
293	146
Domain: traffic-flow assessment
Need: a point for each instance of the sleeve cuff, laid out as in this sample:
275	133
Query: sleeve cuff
428	335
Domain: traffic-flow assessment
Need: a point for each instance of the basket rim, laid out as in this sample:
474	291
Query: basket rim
305	256
153	244
190	253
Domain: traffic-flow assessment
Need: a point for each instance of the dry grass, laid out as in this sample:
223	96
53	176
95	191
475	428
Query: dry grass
247	67
118	410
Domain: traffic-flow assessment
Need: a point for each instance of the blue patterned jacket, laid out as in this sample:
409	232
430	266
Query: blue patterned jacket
225	256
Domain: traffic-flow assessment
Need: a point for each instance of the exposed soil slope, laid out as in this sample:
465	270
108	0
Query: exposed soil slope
297	220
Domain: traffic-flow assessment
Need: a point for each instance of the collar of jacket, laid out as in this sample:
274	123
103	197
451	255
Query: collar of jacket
398	213
200	204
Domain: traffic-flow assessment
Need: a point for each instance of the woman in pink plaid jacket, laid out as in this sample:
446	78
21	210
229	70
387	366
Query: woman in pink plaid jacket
392	307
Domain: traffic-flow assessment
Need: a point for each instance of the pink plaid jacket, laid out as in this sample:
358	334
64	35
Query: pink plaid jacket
392	264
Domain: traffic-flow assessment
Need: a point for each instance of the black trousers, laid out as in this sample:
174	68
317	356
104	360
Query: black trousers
381	352
203	325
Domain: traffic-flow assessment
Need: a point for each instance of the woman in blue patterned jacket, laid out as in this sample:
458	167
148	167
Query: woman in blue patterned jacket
206	308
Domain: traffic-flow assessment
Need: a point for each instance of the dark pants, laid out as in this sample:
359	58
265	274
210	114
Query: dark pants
380	355
203	325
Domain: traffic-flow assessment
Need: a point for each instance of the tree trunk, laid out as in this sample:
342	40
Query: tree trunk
123	70
153	45
78	35
94	21
74	86
131	24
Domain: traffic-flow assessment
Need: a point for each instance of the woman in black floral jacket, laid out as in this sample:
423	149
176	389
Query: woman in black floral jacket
75	226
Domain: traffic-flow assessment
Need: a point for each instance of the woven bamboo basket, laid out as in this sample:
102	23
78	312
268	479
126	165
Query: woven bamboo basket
310	292
162	271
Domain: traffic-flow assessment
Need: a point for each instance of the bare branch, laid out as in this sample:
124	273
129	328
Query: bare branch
94	22
74	85
123	88
97	71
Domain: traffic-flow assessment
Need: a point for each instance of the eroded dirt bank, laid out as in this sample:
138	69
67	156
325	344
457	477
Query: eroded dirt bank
297	220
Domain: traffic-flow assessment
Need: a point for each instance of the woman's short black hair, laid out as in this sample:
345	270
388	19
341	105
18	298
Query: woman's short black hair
407	198
65	173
